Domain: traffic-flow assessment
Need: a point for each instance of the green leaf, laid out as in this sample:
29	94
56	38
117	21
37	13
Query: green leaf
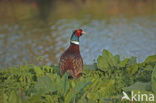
154	80
123	63
79	88
102	63
47	69
13	98
148	68
77	91
132	60
3	97
107	60
138	86
117	59
132	69
51	99
38	71
44	85
101	89
65	83
90	67
34	99
151	59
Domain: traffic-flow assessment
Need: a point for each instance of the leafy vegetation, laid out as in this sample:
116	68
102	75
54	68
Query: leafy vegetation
102	82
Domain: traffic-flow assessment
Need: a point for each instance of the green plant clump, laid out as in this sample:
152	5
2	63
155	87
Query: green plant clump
102	82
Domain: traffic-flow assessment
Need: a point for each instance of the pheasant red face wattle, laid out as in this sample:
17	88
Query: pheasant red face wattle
79	32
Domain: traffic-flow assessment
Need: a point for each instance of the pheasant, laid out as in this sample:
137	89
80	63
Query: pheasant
71	60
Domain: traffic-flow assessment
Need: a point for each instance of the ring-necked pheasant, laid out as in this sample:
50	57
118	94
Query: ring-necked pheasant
71	60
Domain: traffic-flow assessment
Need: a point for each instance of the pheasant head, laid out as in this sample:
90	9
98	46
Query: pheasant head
75	36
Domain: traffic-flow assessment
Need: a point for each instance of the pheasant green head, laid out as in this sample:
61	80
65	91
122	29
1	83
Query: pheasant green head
75	36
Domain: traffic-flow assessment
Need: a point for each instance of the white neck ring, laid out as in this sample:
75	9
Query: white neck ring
75	42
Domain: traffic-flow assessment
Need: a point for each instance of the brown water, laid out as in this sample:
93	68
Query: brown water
39	31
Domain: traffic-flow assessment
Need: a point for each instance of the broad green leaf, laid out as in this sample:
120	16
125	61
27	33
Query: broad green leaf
132	60
47	69
151	59
148	68
117	59
138	86
76	92
44	85
107	61
69	96
56	69
90	67
65	83
81	86
82	100
132	69
102	63
38	71
123	63
107	89
3	97
101	89
154	80
13	98
34	99
51	99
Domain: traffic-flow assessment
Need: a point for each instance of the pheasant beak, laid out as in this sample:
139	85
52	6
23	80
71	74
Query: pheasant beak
83	32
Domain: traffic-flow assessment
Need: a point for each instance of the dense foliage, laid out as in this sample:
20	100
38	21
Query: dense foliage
102	82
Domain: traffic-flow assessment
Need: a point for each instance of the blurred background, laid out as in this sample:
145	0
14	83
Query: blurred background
38	31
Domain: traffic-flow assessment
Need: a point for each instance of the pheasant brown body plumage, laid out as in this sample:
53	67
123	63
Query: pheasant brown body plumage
71	60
